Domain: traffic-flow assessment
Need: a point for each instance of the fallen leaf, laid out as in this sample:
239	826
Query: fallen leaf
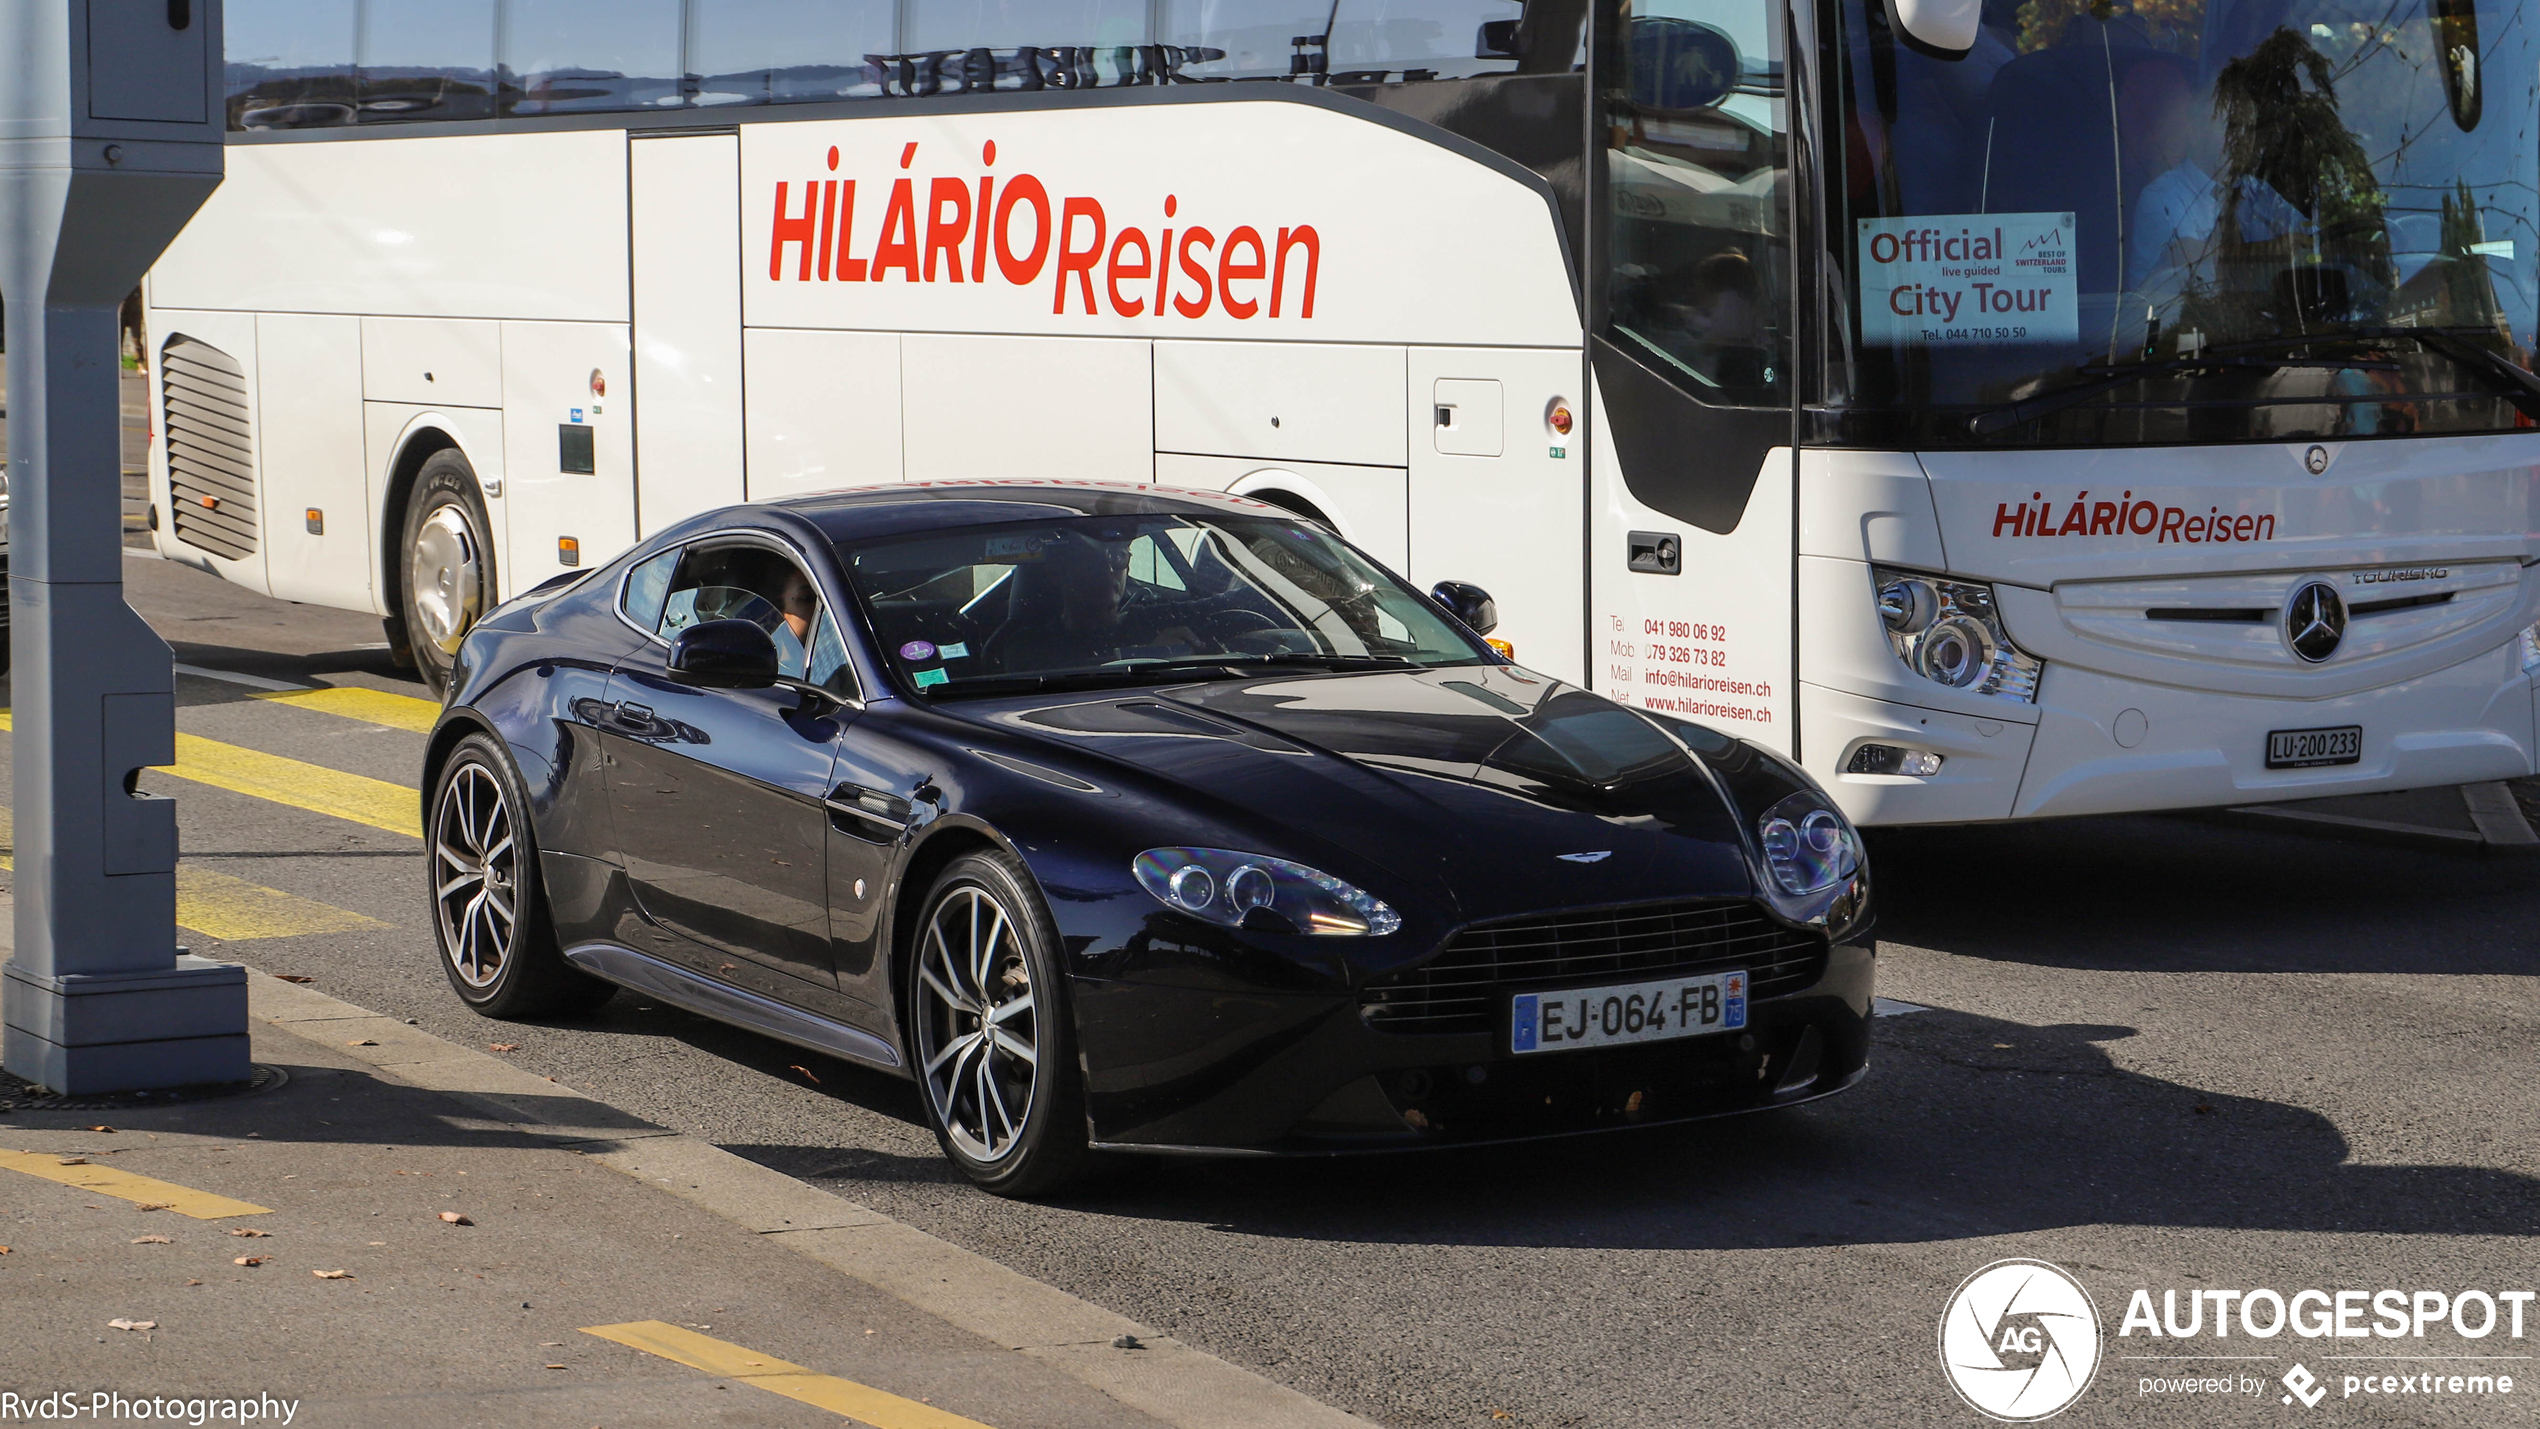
361	1042
106	1129
194	1282
292	977
2203	1110
504	1046
4	1250
551	1344
152	1240
153	1205
123	1324
379	1242
806	1071
75	1161
555	1366
251	1260
333	1274
456	1219
242	1231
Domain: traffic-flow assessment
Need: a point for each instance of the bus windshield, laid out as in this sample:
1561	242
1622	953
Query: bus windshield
2188	220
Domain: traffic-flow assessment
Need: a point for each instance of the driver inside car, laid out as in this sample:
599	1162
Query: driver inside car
1076	608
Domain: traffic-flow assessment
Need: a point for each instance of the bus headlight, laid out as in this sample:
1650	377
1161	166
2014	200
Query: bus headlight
1949	633
2530	648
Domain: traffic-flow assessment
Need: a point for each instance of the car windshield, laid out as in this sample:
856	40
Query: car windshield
2191	220
1115	599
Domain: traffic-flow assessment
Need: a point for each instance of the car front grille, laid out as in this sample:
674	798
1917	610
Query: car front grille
1463	987
211	449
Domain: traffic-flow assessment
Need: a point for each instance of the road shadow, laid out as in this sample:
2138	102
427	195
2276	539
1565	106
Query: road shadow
1967	1127
2156	893
299	669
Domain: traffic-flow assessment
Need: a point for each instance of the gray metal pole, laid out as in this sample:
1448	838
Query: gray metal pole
110	138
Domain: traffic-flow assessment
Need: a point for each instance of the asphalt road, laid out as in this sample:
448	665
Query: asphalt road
2160	1052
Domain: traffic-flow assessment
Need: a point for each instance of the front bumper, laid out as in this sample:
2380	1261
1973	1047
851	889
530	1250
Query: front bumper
1209	1071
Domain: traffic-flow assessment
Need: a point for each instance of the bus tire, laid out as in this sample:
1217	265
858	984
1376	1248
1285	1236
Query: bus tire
448	581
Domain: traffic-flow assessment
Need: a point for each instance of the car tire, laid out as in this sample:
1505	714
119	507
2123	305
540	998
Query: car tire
984	912
447	584
482	859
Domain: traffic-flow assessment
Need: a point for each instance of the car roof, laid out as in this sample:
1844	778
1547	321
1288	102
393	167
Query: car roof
902	508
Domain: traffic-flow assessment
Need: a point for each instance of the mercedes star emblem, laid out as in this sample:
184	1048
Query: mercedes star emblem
2314	621
2315	460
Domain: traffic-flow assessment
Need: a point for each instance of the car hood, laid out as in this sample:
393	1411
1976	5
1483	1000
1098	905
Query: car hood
1499	790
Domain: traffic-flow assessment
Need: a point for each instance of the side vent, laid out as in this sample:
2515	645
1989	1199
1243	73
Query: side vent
211	454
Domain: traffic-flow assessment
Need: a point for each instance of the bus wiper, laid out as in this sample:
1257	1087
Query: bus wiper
2107	378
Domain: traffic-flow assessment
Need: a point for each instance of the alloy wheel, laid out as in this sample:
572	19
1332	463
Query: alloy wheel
475	875
977	1026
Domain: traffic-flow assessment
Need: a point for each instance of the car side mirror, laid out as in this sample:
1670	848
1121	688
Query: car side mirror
1469	603
724	655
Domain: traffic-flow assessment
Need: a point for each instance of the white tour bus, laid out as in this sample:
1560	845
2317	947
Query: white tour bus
2010	409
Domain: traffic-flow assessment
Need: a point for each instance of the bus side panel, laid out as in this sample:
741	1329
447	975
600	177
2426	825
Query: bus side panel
999	407
1712	643
1369	505
823	409
686	261
493	225
316	507
232	336
1282	400
548	416
1497	493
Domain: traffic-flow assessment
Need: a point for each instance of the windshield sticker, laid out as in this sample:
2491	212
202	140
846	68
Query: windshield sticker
929	677
1015	548
959	651
1945	280
918	650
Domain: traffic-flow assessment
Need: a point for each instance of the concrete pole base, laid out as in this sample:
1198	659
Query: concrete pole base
85	1033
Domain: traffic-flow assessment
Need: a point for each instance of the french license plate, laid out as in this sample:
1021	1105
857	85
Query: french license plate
2307	748
1631	1012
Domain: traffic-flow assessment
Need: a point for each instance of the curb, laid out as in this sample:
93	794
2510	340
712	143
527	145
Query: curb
1167	1380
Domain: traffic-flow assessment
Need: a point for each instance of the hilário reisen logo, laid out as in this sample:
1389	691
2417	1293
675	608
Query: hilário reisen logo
2019	1342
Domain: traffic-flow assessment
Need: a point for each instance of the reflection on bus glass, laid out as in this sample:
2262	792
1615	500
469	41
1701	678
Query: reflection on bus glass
2289	217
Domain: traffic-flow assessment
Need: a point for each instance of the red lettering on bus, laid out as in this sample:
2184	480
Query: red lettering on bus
793	230
850	270
1164	263
979	231
898	248
1070	259
1202	239
946	234
1025	190
2003	516
1302	236
1129	307
1228	270
828	222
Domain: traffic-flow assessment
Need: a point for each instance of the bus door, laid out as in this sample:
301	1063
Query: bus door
682	195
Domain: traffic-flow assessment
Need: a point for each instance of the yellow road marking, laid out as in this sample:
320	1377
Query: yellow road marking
369	706
230	909
861	1402
123	1185
320	790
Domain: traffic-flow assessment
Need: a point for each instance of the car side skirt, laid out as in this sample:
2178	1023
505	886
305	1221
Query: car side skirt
708	998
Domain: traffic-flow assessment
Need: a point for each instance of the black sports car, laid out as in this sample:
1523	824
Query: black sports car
1132	819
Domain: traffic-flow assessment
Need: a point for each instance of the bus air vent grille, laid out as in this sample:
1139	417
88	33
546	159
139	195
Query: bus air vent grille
211	449
1464	988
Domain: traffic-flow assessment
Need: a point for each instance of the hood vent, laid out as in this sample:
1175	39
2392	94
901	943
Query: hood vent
211	449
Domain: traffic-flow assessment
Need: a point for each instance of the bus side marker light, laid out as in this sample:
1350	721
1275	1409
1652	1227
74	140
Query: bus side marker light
316	519
568	551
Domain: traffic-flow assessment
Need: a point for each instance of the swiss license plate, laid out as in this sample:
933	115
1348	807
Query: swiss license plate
2306	748
1630	1012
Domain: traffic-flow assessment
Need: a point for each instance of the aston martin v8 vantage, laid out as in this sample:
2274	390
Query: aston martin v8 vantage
1127	819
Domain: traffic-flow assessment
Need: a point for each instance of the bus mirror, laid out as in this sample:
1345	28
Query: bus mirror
1679	65
1497	40
1945	28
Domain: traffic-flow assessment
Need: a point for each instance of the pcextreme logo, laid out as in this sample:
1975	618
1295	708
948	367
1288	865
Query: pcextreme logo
2019	1342
1011	230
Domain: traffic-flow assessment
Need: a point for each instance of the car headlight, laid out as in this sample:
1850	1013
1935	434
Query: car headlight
1949	633
1250	890
1812	862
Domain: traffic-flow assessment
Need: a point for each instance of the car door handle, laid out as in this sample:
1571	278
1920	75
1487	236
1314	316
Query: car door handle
869	806
629	712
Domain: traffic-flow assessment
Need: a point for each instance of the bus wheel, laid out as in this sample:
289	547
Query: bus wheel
449	581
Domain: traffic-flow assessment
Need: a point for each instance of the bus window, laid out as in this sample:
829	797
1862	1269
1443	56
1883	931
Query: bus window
422	59
290	64
785	51
1697	163
566	56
